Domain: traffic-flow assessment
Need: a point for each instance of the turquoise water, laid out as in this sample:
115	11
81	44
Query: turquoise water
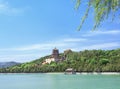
59	81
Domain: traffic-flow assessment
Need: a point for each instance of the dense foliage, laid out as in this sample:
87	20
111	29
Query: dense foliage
102	9
83	61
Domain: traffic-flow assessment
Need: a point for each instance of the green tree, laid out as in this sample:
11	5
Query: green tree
102	10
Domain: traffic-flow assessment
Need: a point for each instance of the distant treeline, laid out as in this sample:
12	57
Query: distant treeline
83	61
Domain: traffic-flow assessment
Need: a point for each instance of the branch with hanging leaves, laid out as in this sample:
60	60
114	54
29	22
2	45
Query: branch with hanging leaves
102	10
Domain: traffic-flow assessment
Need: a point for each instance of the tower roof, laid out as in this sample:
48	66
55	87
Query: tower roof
55	48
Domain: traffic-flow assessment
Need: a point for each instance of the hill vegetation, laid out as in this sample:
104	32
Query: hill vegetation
83	61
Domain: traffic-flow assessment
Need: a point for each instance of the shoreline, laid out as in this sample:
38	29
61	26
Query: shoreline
102	73
87	73
77	73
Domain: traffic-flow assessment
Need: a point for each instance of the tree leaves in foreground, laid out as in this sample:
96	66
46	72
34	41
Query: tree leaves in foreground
102	10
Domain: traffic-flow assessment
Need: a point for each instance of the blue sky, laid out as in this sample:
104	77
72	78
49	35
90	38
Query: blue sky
30	29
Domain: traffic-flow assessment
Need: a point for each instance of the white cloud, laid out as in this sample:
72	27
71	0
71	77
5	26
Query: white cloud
99	46
19	57
103	32
49	45
75	40
6	9
31	52
44	46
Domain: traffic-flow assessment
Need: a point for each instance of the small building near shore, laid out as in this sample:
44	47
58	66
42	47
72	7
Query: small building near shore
70	71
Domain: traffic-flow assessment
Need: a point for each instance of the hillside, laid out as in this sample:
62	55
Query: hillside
83	61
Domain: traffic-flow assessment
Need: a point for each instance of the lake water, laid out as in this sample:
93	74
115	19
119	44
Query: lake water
59	81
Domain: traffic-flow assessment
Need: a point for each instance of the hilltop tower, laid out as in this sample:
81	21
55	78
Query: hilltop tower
55	54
